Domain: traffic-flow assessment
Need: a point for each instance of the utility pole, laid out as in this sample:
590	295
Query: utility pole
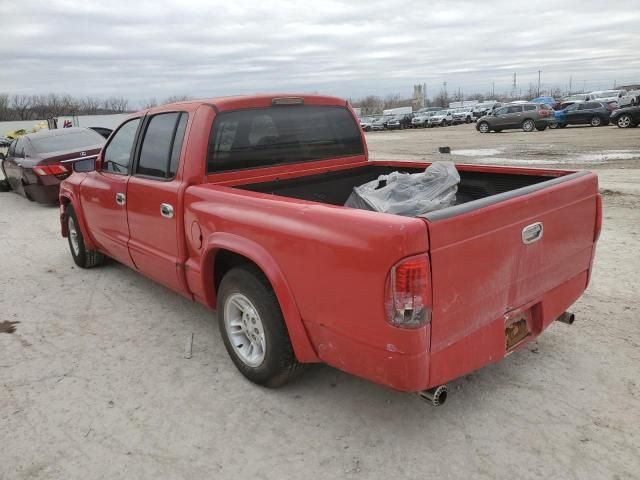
539	72
570	80
493	90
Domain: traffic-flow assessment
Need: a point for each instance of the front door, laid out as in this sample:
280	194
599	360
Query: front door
152	200
103	194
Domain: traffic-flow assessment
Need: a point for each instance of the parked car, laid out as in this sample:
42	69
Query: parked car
528	116
463	115
421	119
550	101
36	163
366	123
238	203
591	113
577	97
626	117
441	118
485	108
400	121
105	132
629	99
378	123
606	96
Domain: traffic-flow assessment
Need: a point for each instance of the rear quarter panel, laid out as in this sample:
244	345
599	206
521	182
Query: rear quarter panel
333	260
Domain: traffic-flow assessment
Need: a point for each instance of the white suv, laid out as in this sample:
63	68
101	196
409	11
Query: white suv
441	118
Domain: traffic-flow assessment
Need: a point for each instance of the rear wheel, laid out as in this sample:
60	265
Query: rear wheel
553	125
595	121
497	130
253	328
483	127
624	121
82	257
528	125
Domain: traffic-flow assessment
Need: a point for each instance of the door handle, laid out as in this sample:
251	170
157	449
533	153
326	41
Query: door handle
166	210
120	198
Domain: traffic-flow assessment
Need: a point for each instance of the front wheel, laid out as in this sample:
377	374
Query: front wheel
595	121
528	125
82	256
253	328
483	127
624	121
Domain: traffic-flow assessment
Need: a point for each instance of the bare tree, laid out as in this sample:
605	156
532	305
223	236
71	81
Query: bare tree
176	99
116	104
90	105
149	103
5	110
21	104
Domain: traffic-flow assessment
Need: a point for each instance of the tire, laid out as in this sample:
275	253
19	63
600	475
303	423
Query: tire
497	130
624	121
467	120
528	125
269	359
595	121
444	123
554	125
562	125
541	129
82	257
483	127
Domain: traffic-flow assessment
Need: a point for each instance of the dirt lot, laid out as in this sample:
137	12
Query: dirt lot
94	383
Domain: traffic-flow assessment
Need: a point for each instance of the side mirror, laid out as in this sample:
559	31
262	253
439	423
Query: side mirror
83	166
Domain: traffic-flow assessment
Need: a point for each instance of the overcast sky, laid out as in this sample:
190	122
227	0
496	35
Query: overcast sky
350	48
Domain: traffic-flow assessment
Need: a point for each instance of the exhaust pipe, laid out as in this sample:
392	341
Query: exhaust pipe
435	396
567	317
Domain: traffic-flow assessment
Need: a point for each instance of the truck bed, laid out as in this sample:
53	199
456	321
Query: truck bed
334	187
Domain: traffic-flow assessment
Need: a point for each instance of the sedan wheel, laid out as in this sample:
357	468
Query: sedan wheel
624	121
596	121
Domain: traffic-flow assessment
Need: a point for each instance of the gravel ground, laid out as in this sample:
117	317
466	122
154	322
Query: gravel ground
95	383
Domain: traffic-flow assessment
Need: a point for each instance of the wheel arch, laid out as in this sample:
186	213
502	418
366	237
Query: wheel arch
225	251
67	198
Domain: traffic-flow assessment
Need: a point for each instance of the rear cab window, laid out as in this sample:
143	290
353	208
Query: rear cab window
254	138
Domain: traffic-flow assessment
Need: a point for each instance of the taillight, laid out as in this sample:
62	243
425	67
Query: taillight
407	295
598	227
53	169
544	112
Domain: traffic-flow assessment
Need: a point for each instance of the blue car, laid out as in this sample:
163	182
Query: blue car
552	102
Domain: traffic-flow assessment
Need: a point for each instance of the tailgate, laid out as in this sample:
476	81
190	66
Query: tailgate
482	268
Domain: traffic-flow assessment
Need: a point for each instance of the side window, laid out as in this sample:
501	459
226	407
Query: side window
501	111
161	146
117	155
572	108
528	108
514	109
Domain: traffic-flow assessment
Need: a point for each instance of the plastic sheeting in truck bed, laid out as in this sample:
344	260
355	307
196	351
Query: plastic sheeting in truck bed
409	194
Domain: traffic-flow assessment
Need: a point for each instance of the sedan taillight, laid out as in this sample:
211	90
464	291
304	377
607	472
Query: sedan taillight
407	295
53	169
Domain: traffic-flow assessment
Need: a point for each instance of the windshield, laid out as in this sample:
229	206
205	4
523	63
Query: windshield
77	140
255	138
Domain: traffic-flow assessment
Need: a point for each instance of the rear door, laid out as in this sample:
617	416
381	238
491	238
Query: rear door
152	199
103	194
514	116
490	261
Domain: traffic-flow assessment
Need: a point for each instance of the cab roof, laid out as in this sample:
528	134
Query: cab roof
252	101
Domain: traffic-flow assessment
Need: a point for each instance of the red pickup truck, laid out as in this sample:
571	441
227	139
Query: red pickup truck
238	203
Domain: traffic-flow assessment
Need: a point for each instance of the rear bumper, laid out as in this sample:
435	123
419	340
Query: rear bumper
47	194
412	372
